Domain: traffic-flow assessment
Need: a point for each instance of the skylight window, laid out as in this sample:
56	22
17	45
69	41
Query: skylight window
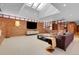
37	6
41	6
29	4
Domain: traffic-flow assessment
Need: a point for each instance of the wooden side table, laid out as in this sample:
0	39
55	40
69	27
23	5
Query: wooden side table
52	47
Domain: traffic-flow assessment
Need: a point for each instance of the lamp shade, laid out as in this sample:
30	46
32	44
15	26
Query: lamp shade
17	23
0	32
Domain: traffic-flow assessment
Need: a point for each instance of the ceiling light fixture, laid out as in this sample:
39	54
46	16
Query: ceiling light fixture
64	5
70	14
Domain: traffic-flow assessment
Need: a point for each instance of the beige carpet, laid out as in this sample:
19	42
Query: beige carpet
30	45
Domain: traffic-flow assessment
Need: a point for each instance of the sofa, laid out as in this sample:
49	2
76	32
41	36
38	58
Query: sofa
63	41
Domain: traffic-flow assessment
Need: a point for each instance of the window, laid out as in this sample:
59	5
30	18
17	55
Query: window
29	4
37	6
41	6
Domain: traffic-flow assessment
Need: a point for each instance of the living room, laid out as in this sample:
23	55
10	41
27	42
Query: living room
26	29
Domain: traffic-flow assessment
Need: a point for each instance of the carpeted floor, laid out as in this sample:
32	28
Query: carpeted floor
30	45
